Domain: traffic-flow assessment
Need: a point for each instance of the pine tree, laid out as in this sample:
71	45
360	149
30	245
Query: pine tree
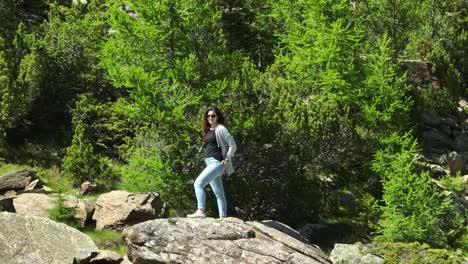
172	58
414	210
384	98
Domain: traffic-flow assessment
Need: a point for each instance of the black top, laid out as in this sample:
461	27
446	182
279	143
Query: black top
212	150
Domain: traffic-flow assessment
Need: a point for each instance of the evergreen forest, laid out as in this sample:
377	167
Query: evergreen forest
315	93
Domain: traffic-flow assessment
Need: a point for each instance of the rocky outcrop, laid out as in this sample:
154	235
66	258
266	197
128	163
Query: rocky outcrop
351	254
17	180
445	139
227	240
119	209
30	239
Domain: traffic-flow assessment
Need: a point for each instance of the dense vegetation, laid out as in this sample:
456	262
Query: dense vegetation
113	91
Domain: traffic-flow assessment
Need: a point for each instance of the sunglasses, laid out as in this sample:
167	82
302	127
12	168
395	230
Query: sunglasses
212	116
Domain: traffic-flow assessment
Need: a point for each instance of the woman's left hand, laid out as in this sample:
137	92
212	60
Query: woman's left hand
224	162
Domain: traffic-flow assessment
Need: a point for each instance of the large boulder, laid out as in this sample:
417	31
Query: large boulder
226	240
17	180
119	209
30	239
36	204
39	205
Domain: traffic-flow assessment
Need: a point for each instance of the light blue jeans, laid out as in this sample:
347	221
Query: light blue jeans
211	175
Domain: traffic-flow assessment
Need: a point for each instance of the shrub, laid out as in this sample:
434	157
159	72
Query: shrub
414	210
62	213
81	163
149	169
454	184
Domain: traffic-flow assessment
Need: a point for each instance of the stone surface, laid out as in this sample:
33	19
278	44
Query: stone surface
33	204
87	187
227	240
119	209
17	180
437	142
82	209
419	73
351	254
30	239
456	163
107	257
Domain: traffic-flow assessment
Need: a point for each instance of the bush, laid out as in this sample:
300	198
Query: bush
149	169
81	163
454	184
62	213
413	210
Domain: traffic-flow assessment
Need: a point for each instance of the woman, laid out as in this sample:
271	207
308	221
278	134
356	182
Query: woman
219	147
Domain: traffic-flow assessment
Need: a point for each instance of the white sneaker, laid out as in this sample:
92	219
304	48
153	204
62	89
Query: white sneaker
197	214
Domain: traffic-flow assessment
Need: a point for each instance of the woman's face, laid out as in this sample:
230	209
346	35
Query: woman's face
212	117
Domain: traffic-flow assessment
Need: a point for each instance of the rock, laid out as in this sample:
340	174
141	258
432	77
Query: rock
430	118
82	209
351	254
32	185
87	187
461	142
285	229
119	209
33	204
456	163
419	73
30	239
437	171
436	142
463	103
227	240
17	180
106	257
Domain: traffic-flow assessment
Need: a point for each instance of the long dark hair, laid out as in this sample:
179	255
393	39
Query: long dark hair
205	124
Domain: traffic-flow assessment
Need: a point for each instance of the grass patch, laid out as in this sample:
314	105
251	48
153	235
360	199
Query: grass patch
107	239
8	167
54	178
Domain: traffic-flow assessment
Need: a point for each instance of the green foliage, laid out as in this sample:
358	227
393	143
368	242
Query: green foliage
396	18
148	169
127	81
108	124
8	167
437	100
54	178
454	184
413	210
384	97
414	253
61	213
107	240
172	59
81	162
